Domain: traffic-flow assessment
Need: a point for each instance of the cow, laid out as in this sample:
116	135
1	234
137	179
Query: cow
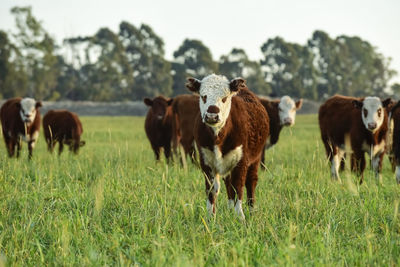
20	120
281	113
158	125
64	127
230	132
362	122
185	109
394	147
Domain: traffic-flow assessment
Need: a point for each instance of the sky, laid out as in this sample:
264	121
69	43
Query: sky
223	24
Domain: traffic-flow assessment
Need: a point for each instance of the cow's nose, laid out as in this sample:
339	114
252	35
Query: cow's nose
211	118
287	121
372	125
213	109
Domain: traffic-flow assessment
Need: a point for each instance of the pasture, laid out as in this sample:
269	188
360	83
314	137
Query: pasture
114	205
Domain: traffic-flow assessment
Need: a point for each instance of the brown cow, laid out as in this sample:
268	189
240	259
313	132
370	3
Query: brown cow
158	125
64	127
185	109
281	113
20	120
230	132
364	121
394	147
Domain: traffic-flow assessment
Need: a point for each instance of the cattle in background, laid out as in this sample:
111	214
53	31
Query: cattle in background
395	140
364	122
281	113
158	125
185	108
230	132
64	127
20	120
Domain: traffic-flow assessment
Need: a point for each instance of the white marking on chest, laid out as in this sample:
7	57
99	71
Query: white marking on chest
222	164
376	149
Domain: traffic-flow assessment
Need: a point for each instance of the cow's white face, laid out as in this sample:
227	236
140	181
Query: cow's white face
28	110
372	112
287	110
216	94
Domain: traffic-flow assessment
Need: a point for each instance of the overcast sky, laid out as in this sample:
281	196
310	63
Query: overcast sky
224	24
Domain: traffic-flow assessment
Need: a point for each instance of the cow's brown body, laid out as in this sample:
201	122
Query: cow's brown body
235	152
158	125
394	146
275	126
64	127
15	130
341	123
185	109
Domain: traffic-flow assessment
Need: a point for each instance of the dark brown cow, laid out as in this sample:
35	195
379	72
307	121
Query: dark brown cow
64	127
185	109
158	125
394	147
20	120
281	113
230	132
364	122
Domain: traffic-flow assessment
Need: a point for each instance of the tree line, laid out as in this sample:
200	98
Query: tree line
130	64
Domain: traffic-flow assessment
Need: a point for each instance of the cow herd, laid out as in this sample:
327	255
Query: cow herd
20	121
232	127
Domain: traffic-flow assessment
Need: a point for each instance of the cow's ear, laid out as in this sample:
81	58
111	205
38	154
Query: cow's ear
193	84
18	104
387	102
169	101
237	84
38	104
148	101
299	103
357	104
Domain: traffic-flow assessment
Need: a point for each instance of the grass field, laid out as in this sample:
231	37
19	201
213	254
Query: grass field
114	205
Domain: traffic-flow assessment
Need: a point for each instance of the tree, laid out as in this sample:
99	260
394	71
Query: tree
38	50
194	59
237	64
145	53
13	78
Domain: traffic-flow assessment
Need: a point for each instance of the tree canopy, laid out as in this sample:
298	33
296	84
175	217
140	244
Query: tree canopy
130	64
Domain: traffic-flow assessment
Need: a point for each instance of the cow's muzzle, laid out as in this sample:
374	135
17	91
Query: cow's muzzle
287	121
372	126
211	118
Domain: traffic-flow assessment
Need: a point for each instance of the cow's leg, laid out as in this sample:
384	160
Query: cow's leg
263	157
238	177
358	164
377	164
212	187
10	143
156	150
251	183
398	172
19	145
167	151
31	145
335	162
60	147
230	191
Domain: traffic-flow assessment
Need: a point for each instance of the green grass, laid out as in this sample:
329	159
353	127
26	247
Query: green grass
114	205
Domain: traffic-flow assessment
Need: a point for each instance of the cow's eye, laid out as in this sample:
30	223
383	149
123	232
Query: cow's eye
365	112
224	99
379	113
204	98
280	109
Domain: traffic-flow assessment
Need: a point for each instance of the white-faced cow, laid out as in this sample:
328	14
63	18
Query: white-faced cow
230	132
20	120
64	127
281	113
158	125
362	121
